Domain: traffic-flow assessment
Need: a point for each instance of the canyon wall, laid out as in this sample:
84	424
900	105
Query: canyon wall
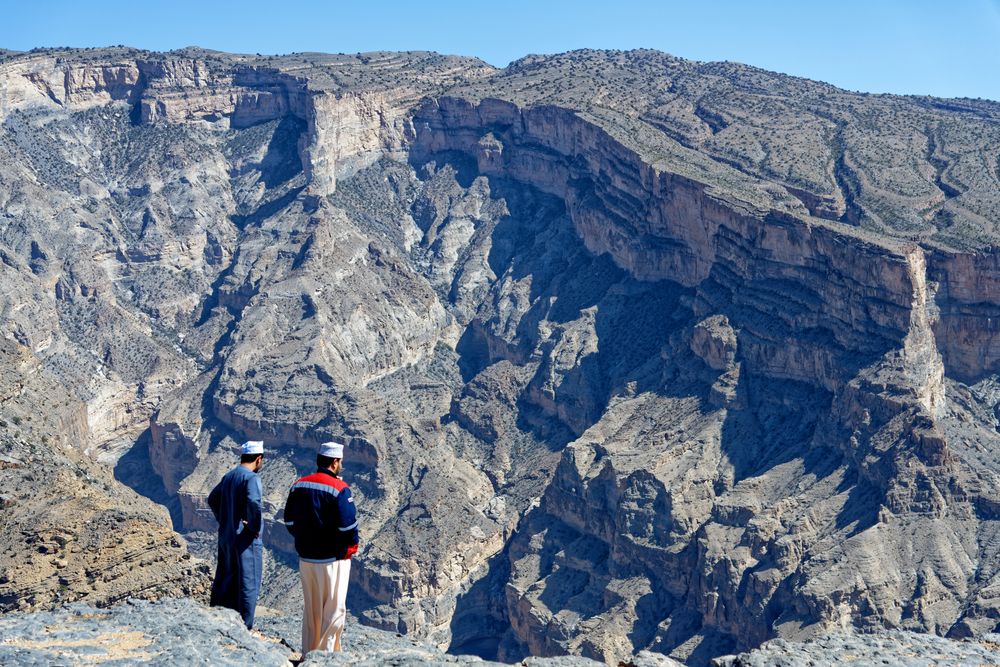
346	130
813	303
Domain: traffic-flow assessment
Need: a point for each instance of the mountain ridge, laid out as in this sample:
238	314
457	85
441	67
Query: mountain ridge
609	378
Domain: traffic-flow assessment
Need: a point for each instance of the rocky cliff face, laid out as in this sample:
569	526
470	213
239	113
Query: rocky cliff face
68	530
629	352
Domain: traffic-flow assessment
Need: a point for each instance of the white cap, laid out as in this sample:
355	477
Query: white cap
252	447
333	450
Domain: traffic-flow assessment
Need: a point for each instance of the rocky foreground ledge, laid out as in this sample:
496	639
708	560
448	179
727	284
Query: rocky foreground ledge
183	632
865	650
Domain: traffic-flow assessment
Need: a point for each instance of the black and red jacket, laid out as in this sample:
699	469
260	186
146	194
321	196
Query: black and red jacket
321	517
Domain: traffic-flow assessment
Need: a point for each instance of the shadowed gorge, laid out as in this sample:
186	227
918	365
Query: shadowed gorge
630	352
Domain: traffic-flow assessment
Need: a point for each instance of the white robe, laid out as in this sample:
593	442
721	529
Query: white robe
324	589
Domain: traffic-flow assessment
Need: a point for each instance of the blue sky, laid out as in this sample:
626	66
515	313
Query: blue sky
946	48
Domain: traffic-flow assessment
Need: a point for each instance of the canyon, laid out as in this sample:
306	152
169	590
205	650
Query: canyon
631	353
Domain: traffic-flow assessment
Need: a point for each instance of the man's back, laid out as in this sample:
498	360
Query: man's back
236	503
320	514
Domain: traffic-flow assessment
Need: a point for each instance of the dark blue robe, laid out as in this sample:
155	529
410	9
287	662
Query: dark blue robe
236	503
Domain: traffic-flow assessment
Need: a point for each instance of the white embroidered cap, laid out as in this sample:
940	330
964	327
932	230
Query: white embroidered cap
252	447
333	450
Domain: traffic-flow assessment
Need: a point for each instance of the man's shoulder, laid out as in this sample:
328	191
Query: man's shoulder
242	472
320	481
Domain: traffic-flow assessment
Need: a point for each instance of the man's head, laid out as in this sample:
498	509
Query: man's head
252	454
330	456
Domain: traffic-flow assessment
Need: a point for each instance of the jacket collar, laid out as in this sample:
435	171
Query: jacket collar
327	472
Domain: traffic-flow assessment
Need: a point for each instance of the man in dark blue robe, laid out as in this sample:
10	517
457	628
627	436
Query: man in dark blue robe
236	503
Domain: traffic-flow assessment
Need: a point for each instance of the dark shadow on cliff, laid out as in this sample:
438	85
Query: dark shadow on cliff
135	470
777	425
713	644
633	321
281	161
465	168
861	510
650	610
278	167
265	210
480	624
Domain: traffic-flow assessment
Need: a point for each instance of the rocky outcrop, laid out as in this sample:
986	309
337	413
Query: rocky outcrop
792	288
43	81
68	530
349	132
182	632
177	632
892	648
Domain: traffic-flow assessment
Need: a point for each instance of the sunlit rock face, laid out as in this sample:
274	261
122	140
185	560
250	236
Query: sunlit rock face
629	352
